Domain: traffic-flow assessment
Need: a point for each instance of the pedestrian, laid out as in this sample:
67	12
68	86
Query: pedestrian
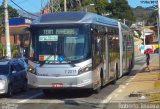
147	60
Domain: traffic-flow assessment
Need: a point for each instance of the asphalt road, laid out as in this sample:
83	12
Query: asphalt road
35	99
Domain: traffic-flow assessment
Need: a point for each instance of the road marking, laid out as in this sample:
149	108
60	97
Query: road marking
34	96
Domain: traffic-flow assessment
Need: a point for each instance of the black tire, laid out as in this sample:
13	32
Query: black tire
25	86
10	91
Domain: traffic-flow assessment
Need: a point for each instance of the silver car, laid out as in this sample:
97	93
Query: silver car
13	76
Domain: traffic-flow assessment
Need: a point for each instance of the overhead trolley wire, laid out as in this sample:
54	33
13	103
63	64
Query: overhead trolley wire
23	9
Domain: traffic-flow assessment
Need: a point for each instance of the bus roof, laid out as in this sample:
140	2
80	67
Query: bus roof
74	17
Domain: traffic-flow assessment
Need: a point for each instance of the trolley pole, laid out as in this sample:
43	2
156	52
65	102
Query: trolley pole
7	35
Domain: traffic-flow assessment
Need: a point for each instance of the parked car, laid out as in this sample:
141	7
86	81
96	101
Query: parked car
13	76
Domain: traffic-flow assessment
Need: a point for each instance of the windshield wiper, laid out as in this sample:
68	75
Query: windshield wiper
69	62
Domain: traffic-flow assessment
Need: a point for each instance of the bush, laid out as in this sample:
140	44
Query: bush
15	51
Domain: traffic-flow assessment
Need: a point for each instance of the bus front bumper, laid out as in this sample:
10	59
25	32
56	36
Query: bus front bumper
83	81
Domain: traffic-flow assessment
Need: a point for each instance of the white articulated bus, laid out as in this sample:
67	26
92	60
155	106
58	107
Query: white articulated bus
78	50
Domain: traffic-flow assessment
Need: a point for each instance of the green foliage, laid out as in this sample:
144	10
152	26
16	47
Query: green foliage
152	20
101	6
15	51
12	12
121	10
84	5
1	45
142	14
1	50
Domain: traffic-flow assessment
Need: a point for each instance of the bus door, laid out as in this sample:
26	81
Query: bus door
107	71
124	54
111	58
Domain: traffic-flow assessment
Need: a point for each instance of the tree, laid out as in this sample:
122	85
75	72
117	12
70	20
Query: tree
101	6
84	5
121	10
152	20
12	12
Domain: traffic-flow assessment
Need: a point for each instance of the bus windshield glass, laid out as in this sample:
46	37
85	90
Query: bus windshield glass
60	44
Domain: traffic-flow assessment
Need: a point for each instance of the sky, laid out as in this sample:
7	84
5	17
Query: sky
35	5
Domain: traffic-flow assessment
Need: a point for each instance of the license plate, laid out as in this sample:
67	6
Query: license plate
57	85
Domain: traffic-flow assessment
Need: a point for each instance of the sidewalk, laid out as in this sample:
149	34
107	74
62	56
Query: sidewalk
141	87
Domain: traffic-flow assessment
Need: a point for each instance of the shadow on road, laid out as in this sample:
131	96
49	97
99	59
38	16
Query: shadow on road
63	94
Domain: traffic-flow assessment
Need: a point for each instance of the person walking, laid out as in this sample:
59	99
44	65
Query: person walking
147	60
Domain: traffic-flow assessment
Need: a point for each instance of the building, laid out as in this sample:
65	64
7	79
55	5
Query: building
18	33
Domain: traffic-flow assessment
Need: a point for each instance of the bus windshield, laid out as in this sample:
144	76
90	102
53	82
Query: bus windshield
60	44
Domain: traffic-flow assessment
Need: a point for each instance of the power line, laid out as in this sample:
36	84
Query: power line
22	8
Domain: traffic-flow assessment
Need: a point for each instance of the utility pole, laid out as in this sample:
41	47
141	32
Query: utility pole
7	35
65	6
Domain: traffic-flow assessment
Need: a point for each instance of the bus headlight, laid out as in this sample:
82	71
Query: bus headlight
32	70
85	69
